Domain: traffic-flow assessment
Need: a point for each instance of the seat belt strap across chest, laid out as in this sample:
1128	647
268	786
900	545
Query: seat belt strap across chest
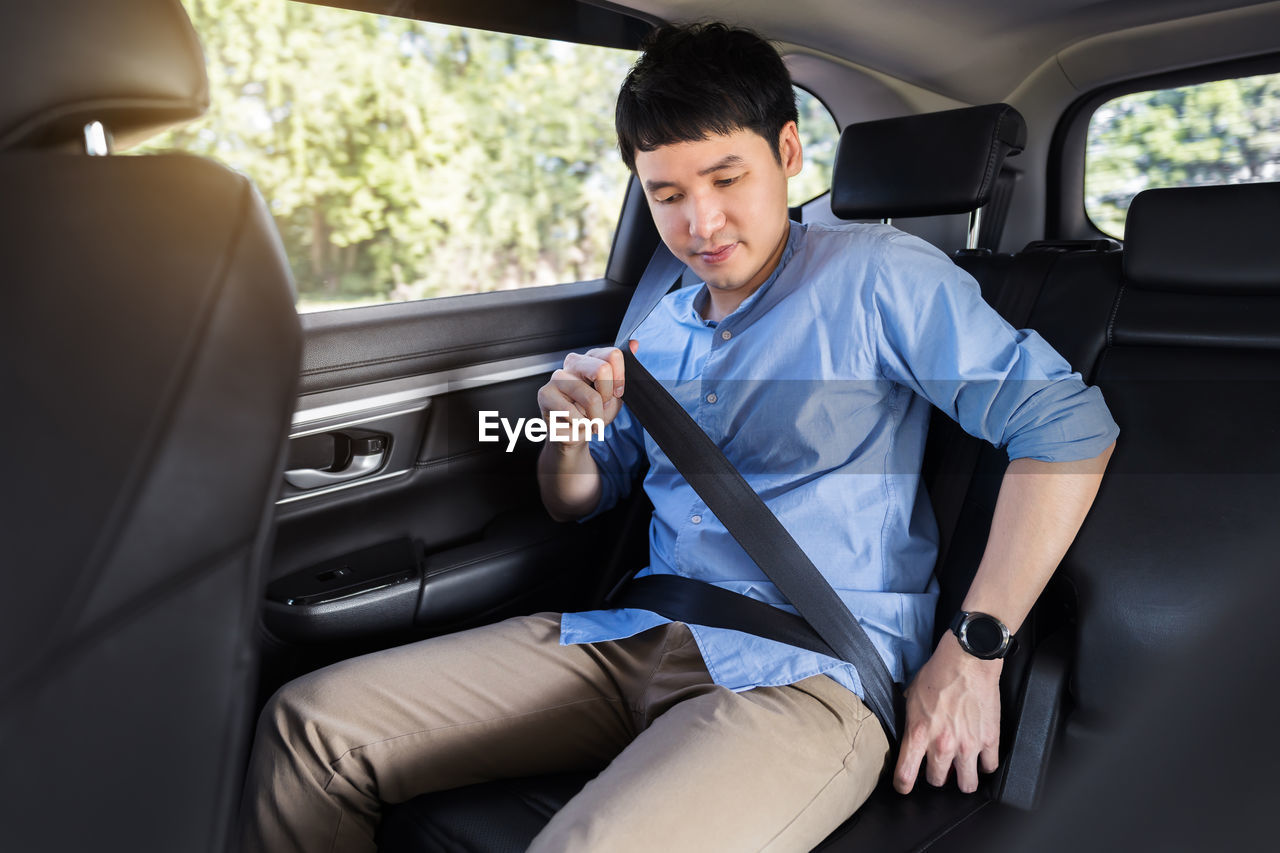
746	517
661	272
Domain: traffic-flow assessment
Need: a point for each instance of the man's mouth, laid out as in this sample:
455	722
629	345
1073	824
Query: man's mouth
719	254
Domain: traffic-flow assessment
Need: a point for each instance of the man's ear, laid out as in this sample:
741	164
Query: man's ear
789	149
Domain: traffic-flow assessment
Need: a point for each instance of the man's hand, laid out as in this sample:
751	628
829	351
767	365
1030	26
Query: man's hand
953	719
588	386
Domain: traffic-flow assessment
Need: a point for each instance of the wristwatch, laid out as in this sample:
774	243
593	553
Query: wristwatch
982	635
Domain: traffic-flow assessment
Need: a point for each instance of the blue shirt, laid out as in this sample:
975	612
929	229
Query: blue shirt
818	388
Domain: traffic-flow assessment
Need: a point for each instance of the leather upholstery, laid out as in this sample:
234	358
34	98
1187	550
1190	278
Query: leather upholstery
924	165
1151	318
1197	238
1190	368
151	350
463	820
1076	305
504	817
134	65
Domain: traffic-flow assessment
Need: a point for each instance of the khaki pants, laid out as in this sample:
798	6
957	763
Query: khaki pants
687	765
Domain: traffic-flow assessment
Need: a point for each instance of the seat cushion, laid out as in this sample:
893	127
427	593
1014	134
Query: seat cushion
504	817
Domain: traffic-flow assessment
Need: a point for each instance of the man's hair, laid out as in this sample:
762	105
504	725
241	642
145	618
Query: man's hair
697	80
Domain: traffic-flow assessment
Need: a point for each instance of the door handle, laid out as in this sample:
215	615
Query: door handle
367	456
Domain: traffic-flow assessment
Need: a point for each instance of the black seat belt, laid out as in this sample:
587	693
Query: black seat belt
662	271
750	522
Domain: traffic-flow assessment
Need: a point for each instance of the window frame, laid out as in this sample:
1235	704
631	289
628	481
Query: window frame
1065	214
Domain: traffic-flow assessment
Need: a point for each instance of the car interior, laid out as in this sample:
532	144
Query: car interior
215	494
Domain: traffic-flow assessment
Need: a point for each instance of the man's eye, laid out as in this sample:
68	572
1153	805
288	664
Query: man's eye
724	182
669	199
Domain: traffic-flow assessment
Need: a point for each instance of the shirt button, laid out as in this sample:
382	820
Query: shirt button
725	335
697	519
711	398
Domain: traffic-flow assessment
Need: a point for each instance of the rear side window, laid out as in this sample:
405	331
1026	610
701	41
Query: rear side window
406	160
1222	132
819	134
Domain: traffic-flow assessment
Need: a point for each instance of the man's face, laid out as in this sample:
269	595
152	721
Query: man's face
720	205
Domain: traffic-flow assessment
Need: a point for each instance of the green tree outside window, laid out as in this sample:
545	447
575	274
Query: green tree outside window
407	160
1222	132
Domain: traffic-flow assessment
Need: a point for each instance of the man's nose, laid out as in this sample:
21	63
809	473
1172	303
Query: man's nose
706	217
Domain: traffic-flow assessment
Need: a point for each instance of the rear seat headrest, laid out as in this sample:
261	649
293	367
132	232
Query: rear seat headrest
924	165
136	67
1219	239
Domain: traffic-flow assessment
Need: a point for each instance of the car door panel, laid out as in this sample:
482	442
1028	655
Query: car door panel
416	376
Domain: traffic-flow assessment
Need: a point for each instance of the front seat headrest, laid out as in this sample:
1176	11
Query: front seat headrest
134	65
924	165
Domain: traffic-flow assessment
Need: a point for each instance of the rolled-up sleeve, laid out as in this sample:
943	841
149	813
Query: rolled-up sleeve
618	458
935	334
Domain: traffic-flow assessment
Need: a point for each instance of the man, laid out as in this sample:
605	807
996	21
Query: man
810	356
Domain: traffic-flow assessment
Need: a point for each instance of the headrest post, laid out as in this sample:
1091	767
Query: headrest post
886	221
975	225
97	142
136	67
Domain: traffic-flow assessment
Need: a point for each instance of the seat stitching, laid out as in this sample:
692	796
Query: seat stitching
1115	310
993	152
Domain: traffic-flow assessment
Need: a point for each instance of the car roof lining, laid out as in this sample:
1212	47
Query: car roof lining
973	51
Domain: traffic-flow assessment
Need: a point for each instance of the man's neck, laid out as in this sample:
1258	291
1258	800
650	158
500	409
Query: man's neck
721	304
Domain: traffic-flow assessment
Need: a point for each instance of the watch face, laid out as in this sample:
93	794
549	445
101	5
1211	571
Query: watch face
984	635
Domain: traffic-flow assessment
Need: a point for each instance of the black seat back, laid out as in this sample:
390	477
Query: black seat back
1191	372
151	351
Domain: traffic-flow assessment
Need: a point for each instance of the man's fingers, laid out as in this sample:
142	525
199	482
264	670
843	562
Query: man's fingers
989	759
967	772
604	381
552	397
941	752
576	394
602	367
619	370
909	757
587	400
936	770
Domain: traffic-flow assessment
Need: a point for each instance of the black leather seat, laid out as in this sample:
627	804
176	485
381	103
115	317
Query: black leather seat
151	350
1189	363
1182	334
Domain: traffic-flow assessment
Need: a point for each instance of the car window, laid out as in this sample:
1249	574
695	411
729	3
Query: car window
1221	132
406	160
819	134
